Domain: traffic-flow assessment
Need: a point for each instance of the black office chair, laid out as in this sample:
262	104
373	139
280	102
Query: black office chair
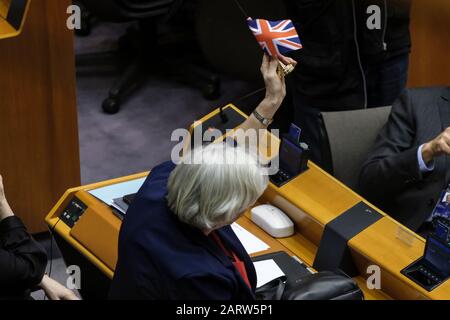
141	45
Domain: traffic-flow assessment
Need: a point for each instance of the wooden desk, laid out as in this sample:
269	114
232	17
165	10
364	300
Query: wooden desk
377	243
315	198
38	116
311	200
95	243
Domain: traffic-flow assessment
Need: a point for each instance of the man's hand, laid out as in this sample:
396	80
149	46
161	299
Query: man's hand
5	209
55	291
437	147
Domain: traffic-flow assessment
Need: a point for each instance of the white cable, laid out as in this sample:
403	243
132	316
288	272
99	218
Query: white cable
355	35
385	25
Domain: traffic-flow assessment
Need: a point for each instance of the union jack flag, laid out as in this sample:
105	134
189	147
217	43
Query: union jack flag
275	37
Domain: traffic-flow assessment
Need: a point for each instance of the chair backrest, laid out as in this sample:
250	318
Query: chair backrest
350	136
127	10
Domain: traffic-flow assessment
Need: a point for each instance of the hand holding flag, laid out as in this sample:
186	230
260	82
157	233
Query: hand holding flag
276	38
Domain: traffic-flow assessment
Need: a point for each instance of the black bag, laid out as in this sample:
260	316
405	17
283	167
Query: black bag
324	285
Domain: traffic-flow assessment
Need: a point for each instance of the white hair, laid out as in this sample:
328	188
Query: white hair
213	185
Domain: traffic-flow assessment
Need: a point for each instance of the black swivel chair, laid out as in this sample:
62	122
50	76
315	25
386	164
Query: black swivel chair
139	48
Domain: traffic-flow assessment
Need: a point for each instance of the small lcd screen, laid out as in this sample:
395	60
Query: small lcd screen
290	157
437	254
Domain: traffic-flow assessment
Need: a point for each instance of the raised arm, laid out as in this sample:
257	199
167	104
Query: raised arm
275	93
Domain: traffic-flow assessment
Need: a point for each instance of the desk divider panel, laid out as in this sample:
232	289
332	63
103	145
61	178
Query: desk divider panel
333	253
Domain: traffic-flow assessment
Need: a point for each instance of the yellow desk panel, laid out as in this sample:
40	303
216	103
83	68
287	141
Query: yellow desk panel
4	6
6	29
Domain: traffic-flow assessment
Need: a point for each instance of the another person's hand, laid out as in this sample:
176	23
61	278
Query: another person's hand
55	291
437	147
5	209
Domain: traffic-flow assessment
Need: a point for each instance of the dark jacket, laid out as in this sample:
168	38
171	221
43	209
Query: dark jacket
163	258
328	76
391	178
22	260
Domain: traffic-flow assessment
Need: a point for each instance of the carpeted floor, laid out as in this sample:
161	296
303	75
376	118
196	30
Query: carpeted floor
138	137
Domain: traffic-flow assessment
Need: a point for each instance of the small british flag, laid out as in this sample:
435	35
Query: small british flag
276	38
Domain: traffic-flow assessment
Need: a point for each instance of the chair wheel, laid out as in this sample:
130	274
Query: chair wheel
111	106
211	91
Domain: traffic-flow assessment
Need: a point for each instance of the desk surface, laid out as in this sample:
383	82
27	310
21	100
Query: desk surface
312	200
315	198
6	30
304	250
377	243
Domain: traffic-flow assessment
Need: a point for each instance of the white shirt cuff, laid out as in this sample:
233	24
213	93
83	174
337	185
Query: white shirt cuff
422	165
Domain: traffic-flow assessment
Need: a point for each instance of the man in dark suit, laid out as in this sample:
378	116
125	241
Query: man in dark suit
409	166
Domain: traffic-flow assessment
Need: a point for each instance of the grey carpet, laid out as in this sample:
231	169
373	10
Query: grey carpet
138	137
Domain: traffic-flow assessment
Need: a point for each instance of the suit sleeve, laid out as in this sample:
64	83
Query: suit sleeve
205	287
393	164
22	259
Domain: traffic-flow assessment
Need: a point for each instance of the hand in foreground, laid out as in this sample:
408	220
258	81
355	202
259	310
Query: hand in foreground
55	291
275	86
275	93
437	147
5	209
287	61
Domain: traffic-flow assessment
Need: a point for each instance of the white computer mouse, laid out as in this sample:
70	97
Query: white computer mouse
272	220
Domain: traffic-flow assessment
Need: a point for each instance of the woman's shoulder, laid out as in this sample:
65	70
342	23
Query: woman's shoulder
155	186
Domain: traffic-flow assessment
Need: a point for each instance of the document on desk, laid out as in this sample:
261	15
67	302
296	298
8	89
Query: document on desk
109	193
266	271
251	243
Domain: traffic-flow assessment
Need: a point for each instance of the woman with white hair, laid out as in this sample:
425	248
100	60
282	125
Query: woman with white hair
176	241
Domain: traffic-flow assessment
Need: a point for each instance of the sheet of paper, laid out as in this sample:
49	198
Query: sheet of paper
266	271
120	205
251	243
109	193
